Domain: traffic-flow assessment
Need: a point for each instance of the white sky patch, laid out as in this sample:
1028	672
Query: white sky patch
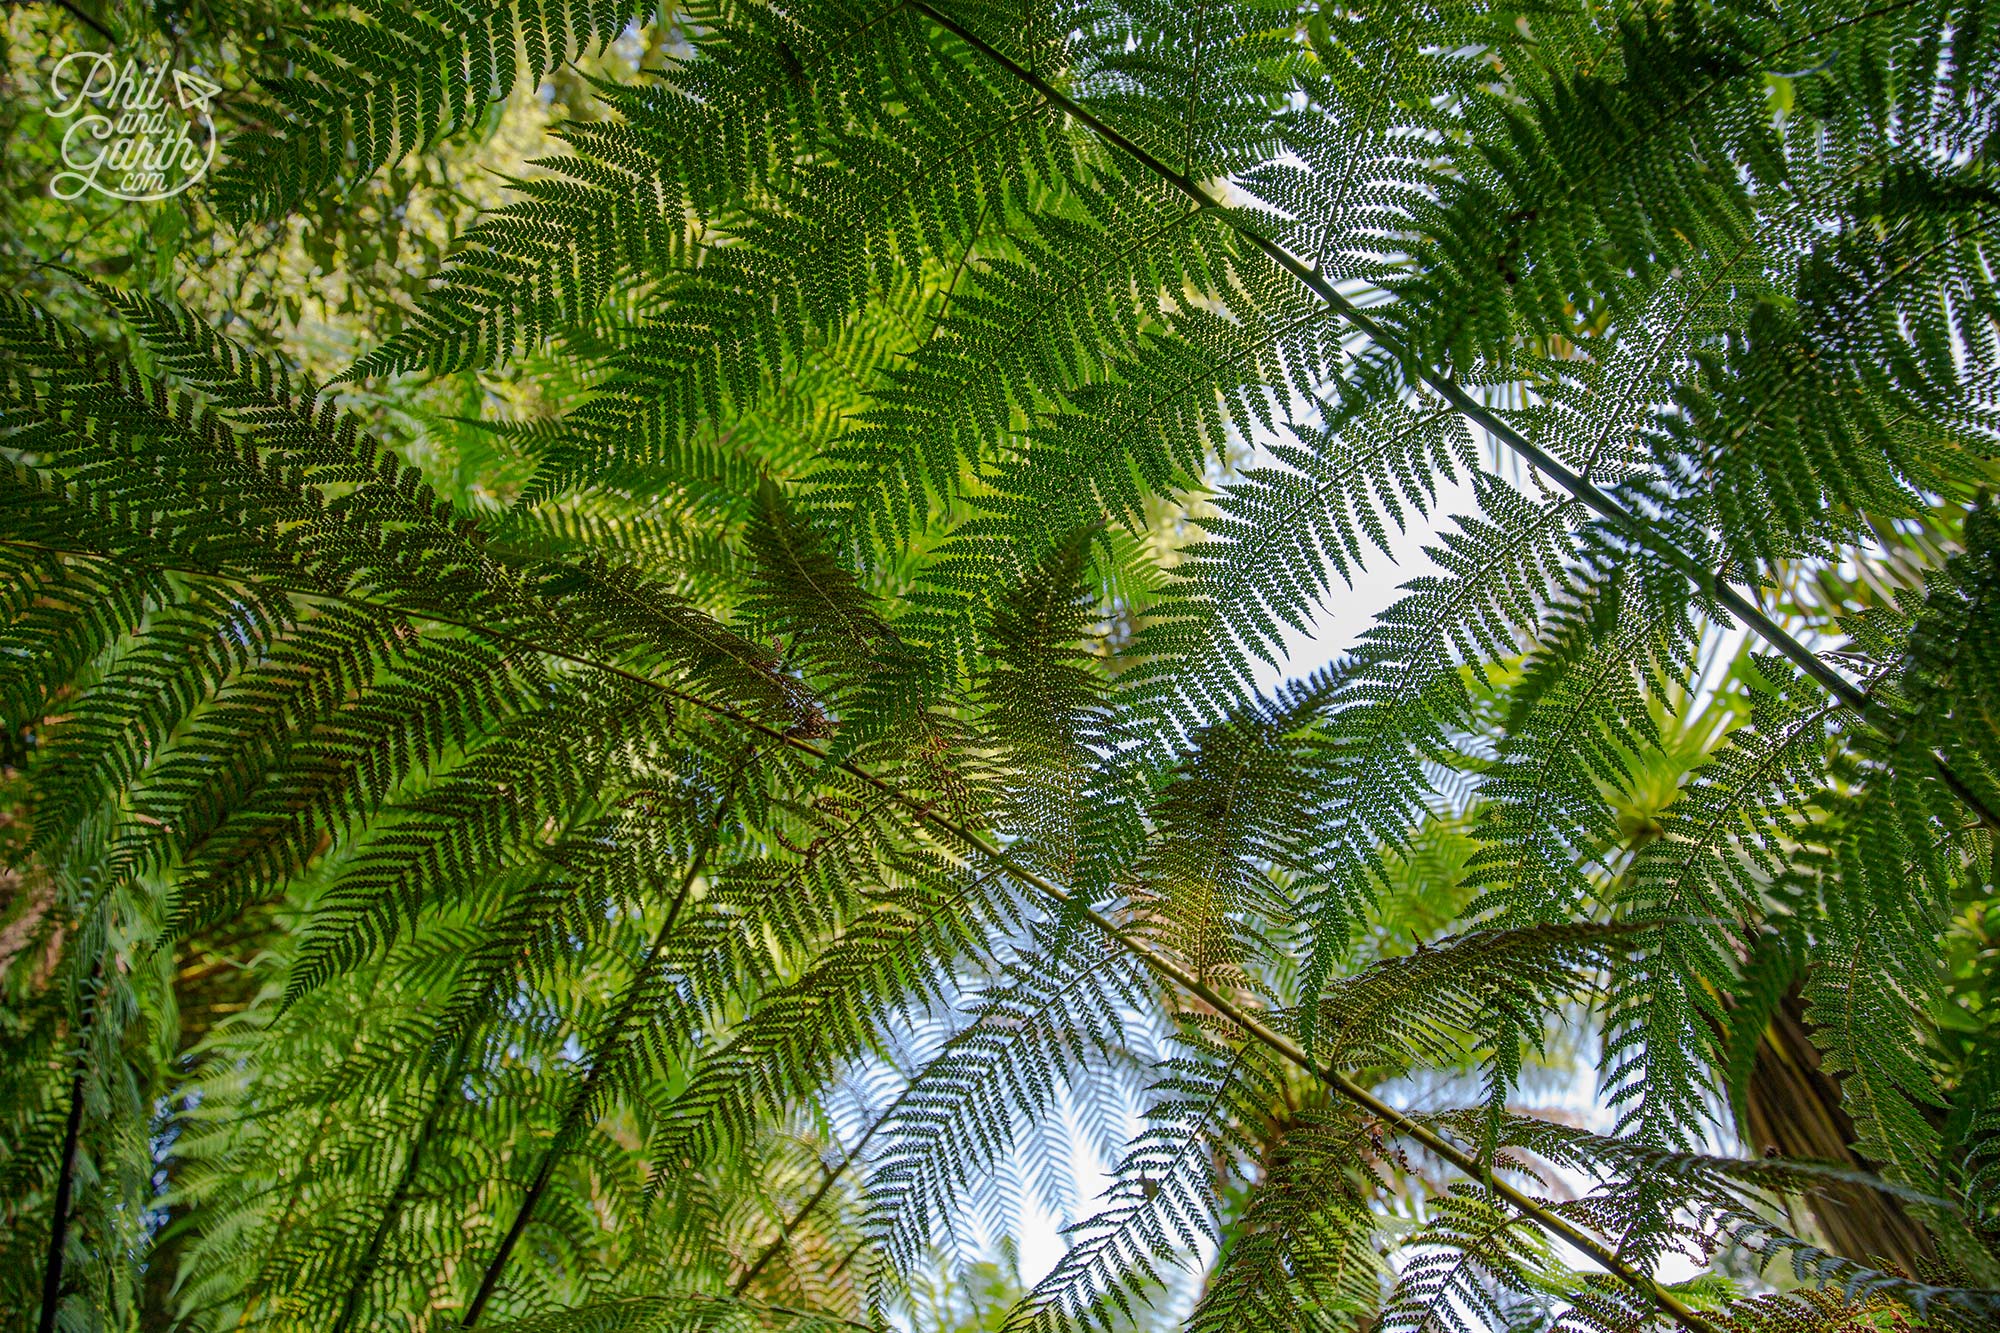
1346	611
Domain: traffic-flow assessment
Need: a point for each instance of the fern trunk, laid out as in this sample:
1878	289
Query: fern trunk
1794	1112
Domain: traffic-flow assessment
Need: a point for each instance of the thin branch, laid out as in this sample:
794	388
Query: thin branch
305	1162
1645	533
392	1212
85	19
52	1270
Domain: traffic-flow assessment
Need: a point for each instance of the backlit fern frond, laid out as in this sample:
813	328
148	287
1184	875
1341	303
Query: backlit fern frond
1302	1254
1054	1015
1697	1202
1475	1263
1420	1007
1162	1201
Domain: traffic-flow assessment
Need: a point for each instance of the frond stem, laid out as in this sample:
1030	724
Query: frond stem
601	1059
52	1271
829	1176
305	1160
392	1212
69	7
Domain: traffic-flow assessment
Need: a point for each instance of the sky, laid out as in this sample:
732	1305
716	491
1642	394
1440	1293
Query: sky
1349	610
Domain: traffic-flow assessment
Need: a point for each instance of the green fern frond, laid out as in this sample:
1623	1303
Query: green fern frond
391	79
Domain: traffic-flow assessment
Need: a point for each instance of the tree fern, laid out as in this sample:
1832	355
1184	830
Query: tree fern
864	677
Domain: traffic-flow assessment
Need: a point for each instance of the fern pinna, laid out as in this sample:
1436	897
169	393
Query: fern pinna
681	893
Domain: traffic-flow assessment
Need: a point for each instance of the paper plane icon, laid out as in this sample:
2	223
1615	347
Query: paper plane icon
194	91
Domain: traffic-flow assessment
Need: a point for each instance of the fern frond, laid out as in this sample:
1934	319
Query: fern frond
391	79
